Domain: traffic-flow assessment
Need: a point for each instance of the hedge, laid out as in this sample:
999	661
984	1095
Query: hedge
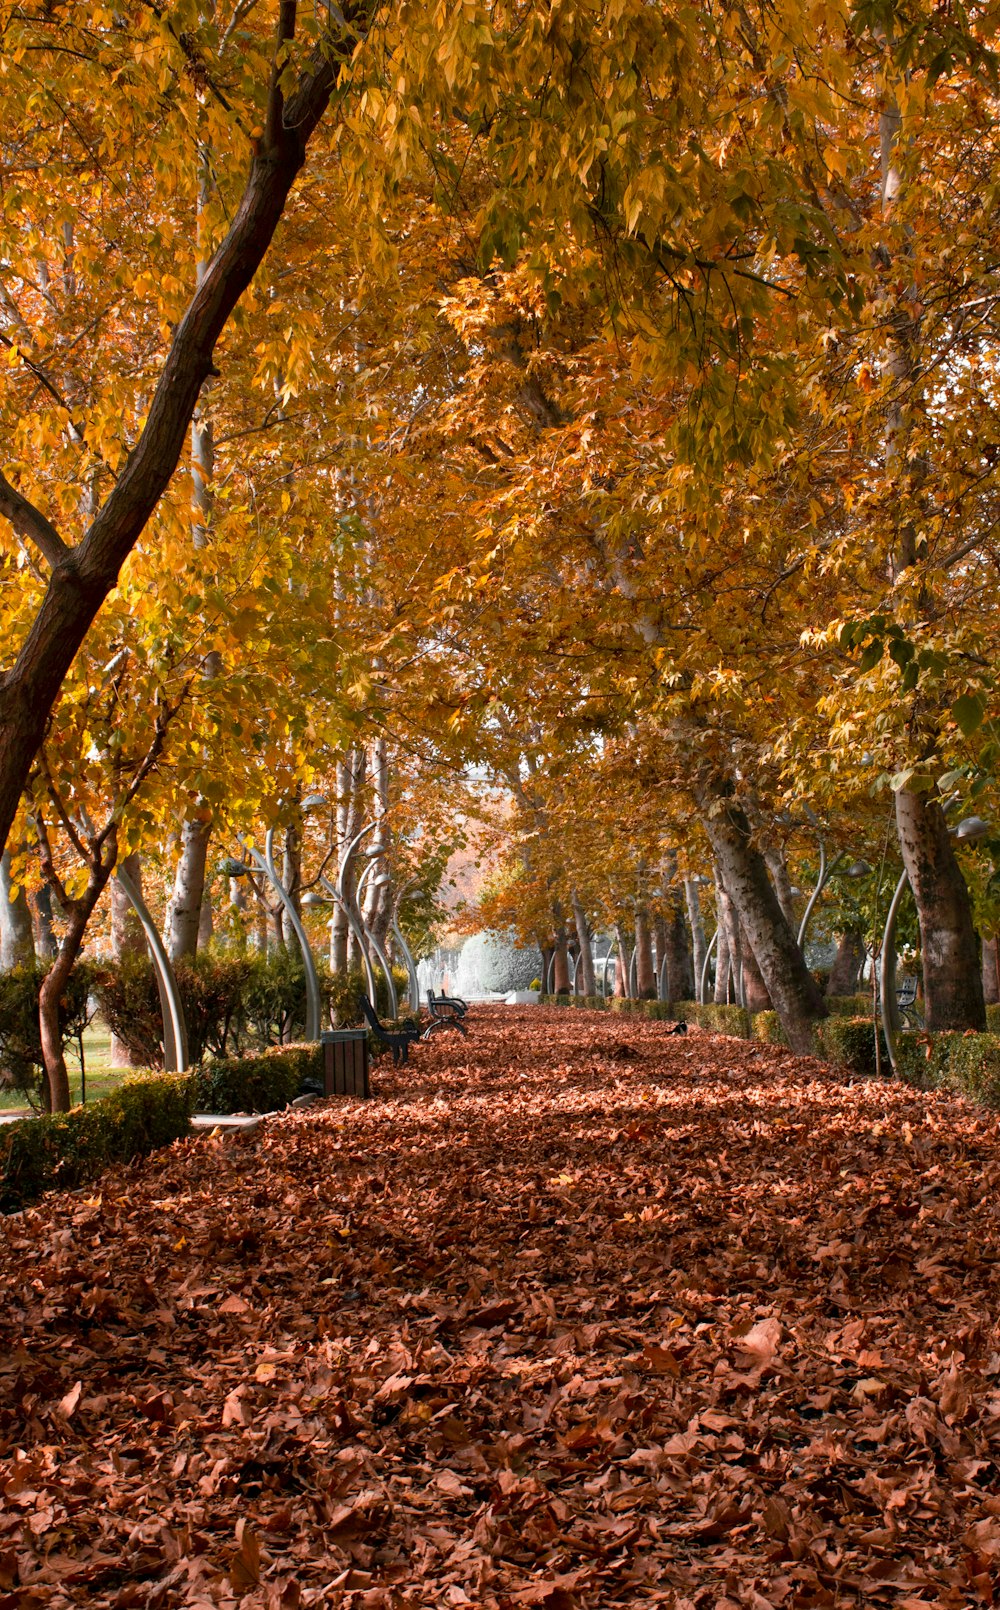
64	1150
849	1005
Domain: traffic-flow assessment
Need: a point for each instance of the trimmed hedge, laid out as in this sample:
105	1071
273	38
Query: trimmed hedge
733	1020
973	1066
993	1020
849	1005
849	1042
766	1026
147	1111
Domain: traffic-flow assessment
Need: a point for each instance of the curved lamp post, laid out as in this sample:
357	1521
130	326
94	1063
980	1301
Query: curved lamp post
706	964
265	864
407	954
380	954
609	958
969	828
175	1045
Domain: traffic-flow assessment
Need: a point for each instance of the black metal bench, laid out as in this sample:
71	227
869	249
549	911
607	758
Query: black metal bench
906	1000
447	1012
398	1041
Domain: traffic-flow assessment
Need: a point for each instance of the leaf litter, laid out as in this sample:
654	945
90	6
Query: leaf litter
567	1318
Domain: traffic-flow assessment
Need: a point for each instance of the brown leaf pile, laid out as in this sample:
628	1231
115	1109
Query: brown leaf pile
574	1315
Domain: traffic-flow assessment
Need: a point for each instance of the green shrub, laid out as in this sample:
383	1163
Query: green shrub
259	1083
993	1019
659	1011
732	1020
20	1036
974	1066
685	1011
849	1005
766	1026
849	1042
923	1059
65	1150
147	1111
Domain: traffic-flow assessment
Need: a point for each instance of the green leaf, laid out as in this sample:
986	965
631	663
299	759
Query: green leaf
968	712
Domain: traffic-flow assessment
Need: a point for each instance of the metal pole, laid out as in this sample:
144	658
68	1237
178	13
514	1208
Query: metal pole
661	981
821	882
359	933
633	976
411	966
380	954
703	981
175	1043
888	1008
265	863
609	958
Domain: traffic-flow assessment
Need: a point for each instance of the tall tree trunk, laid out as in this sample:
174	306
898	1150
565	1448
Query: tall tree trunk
991	972
54	984
723	959
727	978
699	942
45	939
777	865
127	939
755	993
561	971
17	937
588	982
680	979
184	911
846	970
622	969
206	919
790	984
953	983
645	972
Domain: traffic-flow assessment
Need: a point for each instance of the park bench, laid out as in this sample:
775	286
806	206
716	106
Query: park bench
447	1012
906	999
398	1041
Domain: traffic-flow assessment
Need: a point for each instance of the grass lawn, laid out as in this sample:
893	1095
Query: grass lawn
101	1077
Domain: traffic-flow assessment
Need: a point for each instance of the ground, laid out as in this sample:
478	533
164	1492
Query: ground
573	1314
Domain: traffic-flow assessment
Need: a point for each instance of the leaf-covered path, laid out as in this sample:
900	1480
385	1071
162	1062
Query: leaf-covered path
574	1314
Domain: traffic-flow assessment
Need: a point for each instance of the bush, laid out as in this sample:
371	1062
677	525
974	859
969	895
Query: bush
733	1020
849	1005
147	1111
255	1083
20	1036
993	1019
974	1066
924	1058
849	1042
766	1026
65	1150
685	1011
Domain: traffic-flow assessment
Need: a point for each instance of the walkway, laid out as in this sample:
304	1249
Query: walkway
575	1315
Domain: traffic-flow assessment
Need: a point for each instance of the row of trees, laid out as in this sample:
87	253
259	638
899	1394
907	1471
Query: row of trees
589	409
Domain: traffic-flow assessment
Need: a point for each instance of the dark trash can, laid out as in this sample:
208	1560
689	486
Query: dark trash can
345	1062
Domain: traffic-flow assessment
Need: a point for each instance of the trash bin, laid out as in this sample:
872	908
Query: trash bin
345	1062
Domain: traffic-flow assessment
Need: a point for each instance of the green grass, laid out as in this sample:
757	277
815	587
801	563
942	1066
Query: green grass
101	1077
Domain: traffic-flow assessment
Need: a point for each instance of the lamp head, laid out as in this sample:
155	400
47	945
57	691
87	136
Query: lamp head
972	827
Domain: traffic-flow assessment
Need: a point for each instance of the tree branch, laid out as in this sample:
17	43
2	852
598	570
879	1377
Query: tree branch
32	525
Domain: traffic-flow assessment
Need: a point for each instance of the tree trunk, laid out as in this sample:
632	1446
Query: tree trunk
847	964
54	985
790	984
680	980
991	972
206	919
755	993
82	576
588	982
127	939
778	868
723	960
184	911
699	942
622	981
45	939
17	937
728	981
953	984
645	972
561	971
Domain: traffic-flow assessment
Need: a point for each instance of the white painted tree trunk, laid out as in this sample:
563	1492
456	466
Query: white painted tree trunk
184	910
17	938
